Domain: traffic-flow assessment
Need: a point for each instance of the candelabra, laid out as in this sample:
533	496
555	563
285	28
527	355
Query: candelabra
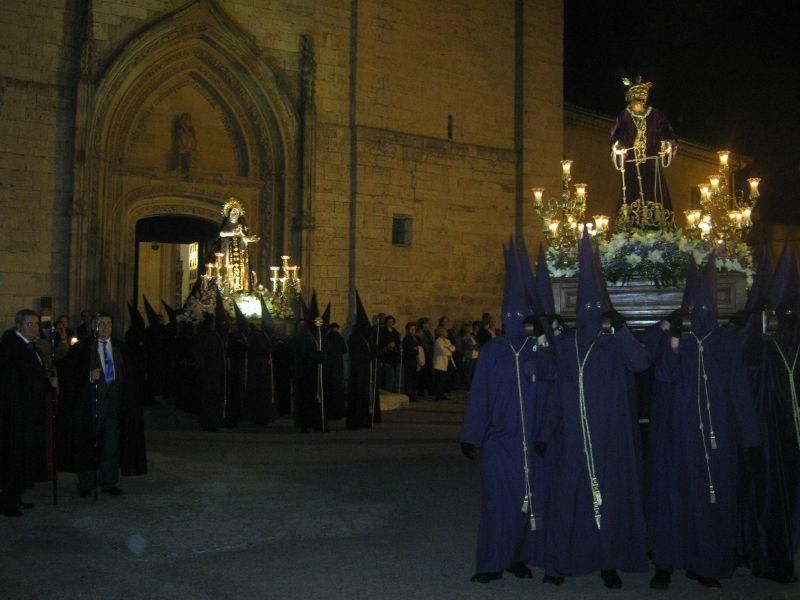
724	216
285	281
563	218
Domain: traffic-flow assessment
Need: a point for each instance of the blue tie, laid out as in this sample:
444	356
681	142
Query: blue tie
108	362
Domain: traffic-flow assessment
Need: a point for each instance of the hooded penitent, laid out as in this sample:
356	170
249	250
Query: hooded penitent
589	307
528	279
707	415
361	389
703	297
774	377
503	412
544	287
762	281
597	521
516	303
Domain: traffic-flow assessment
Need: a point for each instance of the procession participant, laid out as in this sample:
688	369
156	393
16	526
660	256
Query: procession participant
335	349
596	523
101	427
362	389
775	478
504	410
24	387
712	416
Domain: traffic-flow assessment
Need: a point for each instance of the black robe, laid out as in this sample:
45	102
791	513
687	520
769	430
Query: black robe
282	363
362	383
306	357
260	394
211	364
24	395
335	350
75	414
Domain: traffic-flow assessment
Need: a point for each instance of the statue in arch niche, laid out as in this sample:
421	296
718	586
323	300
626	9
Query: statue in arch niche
233	252
184	142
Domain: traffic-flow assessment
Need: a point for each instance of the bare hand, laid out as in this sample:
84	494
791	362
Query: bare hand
95	375
53	382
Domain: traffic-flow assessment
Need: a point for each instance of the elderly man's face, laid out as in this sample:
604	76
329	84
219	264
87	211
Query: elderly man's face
104	327
29	328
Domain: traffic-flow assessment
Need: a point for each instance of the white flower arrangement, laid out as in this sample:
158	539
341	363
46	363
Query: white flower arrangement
660	256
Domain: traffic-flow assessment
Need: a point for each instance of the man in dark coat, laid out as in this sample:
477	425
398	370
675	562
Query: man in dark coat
24	387
712	417
101	427
362	389
772	367
504	410
411	366
645	133
597	522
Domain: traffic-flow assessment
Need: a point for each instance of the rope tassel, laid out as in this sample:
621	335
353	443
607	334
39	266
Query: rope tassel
712	495
792	388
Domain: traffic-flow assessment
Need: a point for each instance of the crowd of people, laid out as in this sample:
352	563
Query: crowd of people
569	483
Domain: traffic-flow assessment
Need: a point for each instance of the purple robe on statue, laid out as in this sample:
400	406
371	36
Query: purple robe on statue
654	184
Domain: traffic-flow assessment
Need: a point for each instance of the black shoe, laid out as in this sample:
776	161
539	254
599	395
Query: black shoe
611	579
520	571
554	579
486	577
113	491
708	582
661	580
12	512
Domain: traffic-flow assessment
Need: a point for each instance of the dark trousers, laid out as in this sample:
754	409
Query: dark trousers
410	381
108	440
440	379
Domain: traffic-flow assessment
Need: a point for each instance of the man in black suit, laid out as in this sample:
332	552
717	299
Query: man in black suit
101	428
24	387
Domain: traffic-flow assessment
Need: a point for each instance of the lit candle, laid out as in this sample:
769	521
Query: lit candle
553	226
746	212
714	180
566	165
704	190
691	217
538	193
723	157
580	190
754	181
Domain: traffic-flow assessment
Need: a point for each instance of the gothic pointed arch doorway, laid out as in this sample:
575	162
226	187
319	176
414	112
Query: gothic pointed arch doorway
185	116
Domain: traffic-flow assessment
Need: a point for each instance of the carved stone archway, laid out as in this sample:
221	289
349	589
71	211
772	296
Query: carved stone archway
133	159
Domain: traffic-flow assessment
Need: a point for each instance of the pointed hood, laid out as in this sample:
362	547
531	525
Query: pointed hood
152	315
193	293
600	282
171	313
242	323
516	305
588	304
220	317
267	323
785	288
313	309
762	282
528	279
704	298
544	287
326	316
137	321
362	326
691	281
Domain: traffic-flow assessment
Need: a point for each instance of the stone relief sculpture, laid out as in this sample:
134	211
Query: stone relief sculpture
184	143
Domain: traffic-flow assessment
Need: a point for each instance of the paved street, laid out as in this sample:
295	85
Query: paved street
270	513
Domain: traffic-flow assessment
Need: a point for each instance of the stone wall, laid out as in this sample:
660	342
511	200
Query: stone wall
417	64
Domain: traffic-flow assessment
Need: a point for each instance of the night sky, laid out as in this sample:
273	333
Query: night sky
725	73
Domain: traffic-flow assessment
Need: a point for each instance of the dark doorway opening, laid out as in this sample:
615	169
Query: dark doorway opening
170	254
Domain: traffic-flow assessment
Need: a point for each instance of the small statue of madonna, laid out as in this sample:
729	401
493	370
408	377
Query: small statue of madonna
233	242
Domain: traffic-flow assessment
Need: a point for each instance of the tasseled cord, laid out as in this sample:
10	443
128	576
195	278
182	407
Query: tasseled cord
588	451
527	500
702	376
792	388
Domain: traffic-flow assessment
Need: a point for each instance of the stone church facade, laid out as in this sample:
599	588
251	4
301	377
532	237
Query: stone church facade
330	120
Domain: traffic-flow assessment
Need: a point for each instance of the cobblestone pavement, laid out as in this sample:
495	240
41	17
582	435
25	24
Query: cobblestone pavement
269	513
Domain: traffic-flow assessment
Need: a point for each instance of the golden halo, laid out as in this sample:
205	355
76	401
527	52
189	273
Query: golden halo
230	205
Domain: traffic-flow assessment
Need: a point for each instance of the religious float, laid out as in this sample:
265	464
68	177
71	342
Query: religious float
644	255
